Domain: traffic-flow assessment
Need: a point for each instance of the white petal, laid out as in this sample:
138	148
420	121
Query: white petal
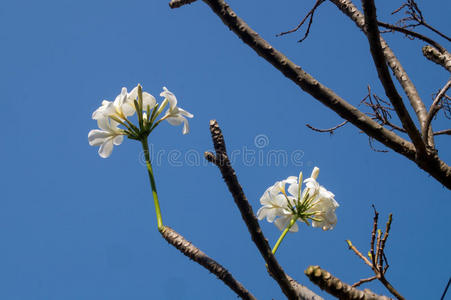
175	121
268	212
282	222
104	124
133	94
265	198
280	201
170	96
97	137
185	113
291	179
117	140
185	126
106	148
148	100
128	109
293	189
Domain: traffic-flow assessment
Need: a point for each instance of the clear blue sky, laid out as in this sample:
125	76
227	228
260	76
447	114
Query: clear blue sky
75	226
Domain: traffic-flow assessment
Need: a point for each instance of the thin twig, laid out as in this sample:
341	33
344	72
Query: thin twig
377	255
445	131
329	130
194	253
310	14
413	34
365	280
370	142
179	3
415	15
358	253
435	107
446	289
373	237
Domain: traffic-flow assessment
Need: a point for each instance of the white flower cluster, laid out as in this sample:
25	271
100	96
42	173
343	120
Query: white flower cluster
313	203
112	113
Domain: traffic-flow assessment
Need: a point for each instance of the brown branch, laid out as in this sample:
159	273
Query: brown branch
446	289
377	52
365	280
329	130
310	13
435	107
338	288
221	160
380	112
445	131
414	14
358	253
443	59
179	3
373	237
194	253
377	255
370	142
413	34
350	10
434	166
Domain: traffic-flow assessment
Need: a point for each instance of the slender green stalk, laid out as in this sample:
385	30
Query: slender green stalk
152	183
282	236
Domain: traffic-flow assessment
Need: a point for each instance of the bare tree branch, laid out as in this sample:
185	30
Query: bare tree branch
179	3
350	10
443	59
415	16
307	82
446	289
432	164
194	253
309	14
445	131
381	110
377	255
364	280
435	107
329	130
221	160
413	34
374	40
338	288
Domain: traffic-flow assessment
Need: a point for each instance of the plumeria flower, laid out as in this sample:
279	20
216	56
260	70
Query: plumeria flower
175	115
108	135
111	114
314	203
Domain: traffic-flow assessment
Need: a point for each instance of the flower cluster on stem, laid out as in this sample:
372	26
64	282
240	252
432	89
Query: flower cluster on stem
285	207
111	114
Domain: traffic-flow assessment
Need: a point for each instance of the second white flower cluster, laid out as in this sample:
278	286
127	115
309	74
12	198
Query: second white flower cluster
111	114
314	203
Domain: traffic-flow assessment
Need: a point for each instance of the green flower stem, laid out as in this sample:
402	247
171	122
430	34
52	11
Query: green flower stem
282	236
152	183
